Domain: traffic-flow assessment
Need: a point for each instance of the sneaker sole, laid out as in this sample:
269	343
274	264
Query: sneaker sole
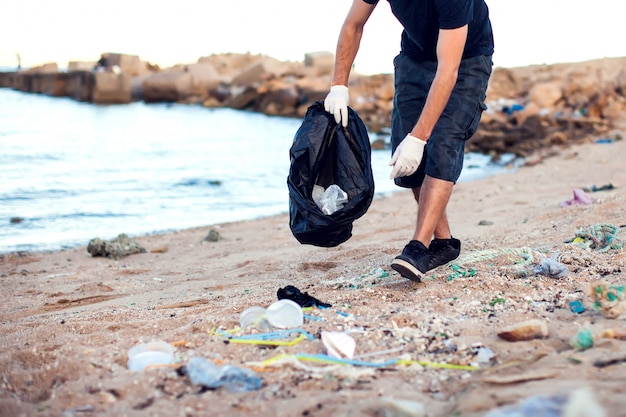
406	270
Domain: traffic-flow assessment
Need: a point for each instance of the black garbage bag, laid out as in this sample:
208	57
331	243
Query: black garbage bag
325	153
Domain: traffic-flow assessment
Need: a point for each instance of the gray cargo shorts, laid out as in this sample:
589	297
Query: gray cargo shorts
445	149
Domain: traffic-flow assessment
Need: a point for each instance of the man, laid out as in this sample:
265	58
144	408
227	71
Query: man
440	79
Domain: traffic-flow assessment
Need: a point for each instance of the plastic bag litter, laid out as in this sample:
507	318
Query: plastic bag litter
580	402
329	200
552	267
205	373
323	154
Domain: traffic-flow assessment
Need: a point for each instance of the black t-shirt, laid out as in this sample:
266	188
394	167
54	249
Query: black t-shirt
422	20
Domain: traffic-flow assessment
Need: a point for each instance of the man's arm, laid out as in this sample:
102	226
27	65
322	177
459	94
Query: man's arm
350	39
449	53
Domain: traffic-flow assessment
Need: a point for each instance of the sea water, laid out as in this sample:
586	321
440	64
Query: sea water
72	171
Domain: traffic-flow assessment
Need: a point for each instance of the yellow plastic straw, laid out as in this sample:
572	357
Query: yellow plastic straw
339	361
437	365
269	342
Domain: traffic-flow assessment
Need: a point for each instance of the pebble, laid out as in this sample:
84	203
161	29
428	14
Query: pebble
526	330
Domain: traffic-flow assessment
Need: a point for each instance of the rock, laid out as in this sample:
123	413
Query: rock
252	74
111	88
172	85
204	76
546	95
74	66
560	104
80	85
117	248
213	236
527	330
323	61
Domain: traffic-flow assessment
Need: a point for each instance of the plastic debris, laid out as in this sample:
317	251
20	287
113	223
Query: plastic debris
254	317
330	360
155	353
339	344
552	267
610	299
601	237
282	314
594	188
205	373
460	272
579	402
583	340
268	342
576	306
303	299
484	355
329	200
580	197
285	314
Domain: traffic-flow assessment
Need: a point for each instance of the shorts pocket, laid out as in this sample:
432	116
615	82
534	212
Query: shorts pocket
473	126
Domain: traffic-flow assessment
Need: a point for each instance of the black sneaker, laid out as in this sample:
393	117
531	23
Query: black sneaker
413	261
443	251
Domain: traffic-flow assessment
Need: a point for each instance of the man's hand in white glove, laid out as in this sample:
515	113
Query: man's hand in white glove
336	103
407	157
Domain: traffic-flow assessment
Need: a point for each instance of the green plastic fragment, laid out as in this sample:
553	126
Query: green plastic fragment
583	340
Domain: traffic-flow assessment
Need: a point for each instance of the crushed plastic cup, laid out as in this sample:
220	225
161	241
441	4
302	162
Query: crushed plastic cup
285	314
339	344
150	353
254	317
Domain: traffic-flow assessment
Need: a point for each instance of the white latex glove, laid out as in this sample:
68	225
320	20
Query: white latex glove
407	157
336	103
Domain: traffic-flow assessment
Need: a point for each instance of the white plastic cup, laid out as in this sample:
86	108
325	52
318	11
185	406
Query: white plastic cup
254	317
151	353
285	314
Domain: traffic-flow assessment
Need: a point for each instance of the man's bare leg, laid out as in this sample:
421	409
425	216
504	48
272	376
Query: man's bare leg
442	230
415	258
432	197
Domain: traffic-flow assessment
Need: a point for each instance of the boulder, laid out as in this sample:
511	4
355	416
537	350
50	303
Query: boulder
252	74
111	88
241	97
128	64
280	100
80	85
322	62
116	248
546	94
204	77
74	66
53	84
168	86
48	68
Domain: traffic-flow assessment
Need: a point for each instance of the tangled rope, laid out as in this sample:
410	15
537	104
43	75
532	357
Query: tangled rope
601	237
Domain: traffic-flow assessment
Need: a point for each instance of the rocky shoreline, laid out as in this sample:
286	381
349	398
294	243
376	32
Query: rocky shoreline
531	110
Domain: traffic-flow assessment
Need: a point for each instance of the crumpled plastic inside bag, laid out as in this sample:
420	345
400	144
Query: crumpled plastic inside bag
329	200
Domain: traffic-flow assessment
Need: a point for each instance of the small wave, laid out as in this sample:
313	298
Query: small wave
199	182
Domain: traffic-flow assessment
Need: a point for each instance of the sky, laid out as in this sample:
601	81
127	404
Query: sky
526	32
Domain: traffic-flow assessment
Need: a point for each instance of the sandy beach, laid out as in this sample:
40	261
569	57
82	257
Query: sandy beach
69	319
